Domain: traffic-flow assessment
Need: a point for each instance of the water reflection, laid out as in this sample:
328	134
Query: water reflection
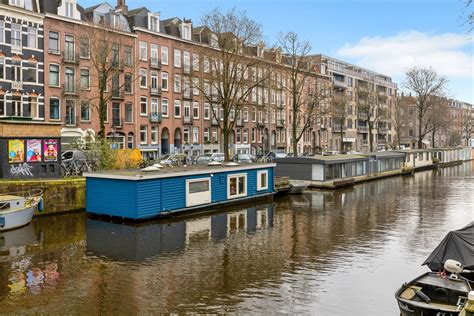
141	241
296	255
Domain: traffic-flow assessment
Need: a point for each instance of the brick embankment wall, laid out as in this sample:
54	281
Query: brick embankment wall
62	195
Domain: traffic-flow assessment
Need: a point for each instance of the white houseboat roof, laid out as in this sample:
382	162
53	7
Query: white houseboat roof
323	160
171	172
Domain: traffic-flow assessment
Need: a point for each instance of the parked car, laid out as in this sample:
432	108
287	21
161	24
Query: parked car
243	158
330	153
174	159
203	159
219	157
276	154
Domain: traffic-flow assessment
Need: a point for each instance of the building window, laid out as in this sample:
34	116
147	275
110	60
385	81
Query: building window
85	111
262	180
164	107
207	112
206	136
16	37
143	132
32	37
2	32
195	62
154	23
187	61
69	9
154	135
54	42
143	78
84	47
195	86
54	109
164	55
154	105
177	108
143	50
198	191
177	58
238	134
128	83
186	135
196	135
128	113
128	55
246	136
54	75
143	106
177	83
195	110
2	68
187	109
164	81
206	64
236	186
154	80
30	73
154	54
85	79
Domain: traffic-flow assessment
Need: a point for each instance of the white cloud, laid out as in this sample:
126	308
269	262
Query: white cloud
449	54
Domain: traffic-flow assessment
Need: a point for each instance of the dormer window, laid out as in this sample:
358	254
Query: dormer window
114	20
69	9
186	31
154	22
213	40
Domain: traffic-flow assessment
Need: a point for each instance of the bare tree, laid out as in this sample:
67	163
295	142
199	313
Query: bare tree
112	66
468	15
310	96
467	123
339	113
232	73
370	106
399	117
426	85
437	118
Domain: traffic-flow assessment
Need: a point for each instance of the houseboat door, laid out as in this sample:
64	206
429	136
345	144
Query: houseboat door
198	191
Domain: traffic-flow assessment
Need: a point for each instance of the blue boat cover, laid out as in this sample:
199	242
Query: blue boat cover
2	221
457	245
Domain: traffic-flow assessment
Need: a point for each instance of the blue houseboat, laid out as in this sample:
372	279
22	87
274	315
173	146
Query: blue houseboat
139	195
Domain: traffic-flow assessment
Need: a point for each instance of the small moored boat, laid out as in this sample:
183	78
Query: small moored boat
17	209
298	187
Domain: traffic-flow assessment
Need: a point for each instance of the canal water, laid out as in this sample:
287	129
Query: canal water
326	253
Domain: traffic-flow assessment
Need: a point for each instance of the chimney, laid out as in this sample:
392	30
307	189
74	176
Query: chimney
122	7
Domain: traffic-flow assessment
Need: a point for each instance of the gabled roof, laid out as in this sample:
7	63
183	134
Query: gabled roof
138	10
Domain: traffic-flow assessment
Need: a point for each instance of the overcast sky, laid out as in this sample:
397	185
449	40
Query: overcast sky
386	36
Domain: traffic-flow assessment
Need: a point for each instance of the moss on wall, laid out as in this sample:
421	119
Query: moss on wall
61	195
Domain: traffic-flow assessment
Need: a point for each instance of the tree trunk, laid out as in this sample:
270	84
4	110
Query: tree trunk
433	138
371	137
342	139
293	135
225	134
102	113
420	130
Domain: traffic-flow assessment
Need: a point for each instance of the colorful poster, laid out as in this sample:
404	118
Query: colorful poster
33	150
16	151
50	150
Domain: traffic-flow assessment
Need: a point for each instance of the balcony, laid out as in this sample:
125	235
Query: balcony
214	122
155	91
339	128
362	116
362	129
280	123
155	117
187	94
365	142
155	63
187	120
260	124
17	85
117	94
340	84
70	57
70	89
117	122
71	120
383	130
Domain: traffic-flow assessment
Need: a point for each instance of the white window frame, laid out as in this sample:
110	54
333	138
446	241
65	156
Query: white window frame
143	53
177	58
164	55
143	98
177	103
165	105
203	197
163	75
146	134
143	73
261	187
238	194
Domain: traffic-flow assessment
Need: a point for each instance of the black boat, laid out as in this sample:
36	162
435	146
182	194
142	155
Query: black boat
445	290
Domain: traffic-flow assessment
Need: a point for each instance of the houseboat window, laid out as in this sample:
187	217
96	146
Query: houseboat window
236	186
198	191
262	180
